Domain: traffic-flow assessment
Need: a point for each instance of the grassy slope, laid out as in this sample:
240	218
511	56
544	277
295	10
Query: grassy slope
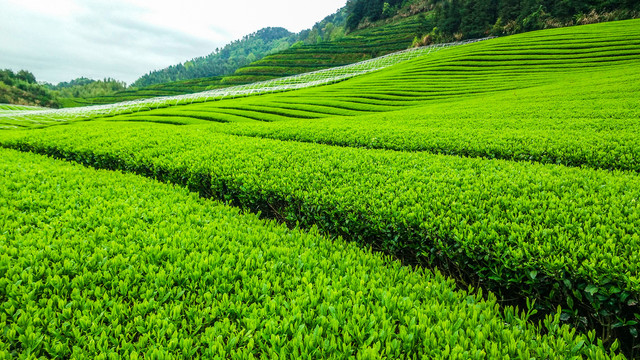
538	229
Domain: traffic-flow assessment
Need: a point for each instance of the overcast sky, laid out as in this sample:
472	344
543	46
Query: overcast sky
60	40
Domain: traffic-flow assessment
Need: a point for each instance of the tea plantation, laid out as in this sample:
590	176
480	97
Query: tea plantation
399	214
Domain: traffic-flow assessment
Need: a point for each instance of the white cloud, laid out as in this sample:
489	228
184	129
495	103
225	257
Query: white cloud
63	39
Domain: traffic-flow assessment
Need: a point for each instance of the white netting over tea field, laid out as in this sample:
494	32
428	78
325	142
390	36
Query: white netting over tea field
315	78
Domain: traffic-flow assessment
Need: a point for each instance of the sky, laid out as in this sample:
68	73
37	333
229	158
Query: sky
60	40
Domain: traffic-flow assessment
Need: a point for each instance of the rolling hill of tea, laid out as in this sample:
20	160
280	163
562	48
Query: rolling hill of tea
510	165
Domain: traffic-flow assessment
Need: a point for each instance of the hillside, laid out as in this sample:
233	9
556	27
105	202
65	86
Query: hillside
21	88
357	46
360	30
508	164
225	60
364	29
463	19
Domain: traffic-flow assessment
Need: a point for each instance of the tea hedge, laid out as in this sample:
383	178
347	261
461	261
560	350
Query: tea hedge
5	107
98	264
357	46
563	236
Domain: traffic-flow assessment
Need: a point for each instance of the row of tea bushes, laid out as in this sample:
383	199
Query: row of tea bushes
98	264
563	236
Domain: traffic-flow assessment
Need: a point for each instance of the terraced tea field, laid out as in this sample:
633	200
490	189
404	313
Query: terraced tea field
358	46
509	165
289	83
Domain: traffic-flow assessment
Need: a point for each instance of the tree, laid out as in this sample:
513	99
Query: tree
27	76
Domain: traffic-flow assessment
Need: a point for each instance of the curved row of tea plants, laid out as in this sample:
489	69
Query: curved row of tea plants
96	264
563	236
9	107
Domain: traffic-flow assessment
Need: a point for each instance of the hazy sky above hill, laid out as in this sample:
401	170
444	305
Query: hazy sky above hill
59	40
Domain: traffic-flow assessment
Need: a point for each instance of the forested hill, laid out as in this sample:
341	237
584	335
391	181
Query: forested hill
21	88
457	19
225	60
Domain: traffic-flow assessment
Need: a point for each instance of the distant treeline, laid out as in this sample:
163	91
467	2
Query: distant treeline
472	18
22	88
87	88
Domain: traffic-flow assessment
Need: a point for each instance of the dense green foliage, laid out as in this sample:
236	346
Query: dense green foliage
361	13
331	28
553	219
21	88
87	88
478	18
97	264
474	18
223	61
